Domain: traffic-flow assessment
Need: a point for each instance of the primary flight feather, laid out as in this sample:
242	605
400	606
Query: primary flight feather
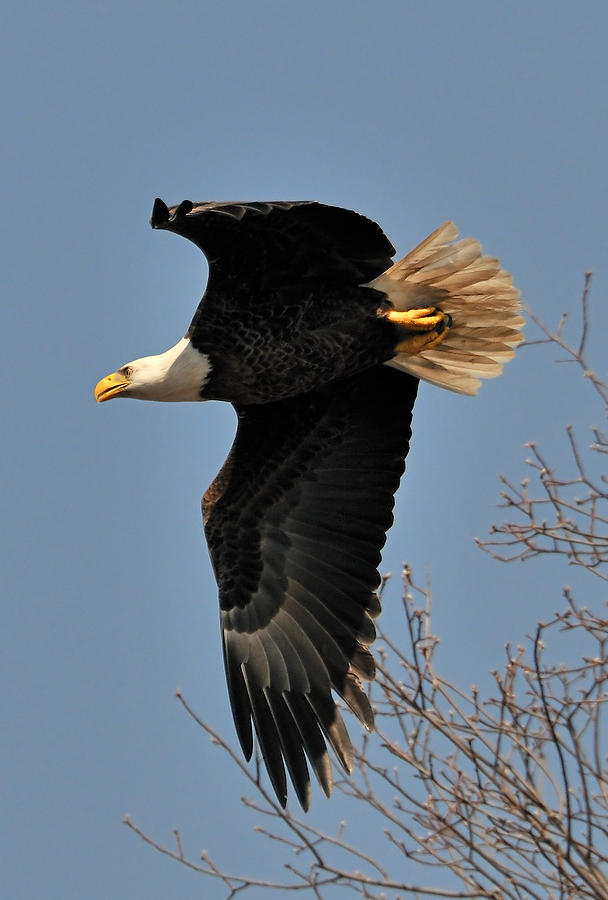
318	340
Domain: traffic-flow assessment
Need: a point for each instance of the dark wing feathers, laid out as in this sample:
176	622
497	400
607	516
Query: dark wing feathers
297	517
278	239
295	522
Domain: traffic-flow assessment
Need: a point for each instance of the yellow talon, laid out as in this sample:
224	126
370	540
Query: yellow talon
424	319
420	329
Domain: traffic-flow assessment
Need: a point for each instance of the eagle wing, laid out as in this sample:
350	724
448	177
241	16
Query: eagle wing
295	522
270	243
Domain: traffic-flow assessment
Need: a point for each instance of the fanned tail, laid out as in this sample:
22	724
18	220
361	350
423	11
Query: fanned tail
484	305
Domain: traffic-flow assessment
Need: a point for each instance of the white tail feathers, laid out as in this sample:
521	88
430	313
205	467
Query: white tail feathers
480	297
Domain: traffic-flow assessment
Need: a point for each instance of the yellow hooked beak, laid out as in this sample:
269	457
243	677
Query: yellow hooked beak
111	386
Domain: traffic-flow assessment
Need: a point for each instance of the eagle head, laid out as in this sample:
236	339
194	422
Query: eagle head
179	373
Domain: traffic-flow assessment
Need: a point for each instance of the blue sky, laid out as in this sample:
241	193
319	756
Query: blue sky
491	114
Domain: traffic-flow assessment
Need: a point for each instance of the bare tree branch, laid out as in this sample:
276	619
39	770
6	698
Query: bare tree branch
565	515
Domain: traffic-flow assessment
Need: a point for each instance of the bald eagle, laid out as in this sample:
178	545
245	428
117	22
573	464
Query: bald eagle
318	340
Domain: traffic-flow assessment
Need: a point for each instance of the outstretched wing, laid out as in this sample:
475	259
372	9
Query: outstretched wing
295	522
268	243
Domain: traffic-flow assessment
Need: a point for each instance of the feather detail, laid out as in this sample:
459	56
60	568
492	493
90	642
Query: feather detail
485	307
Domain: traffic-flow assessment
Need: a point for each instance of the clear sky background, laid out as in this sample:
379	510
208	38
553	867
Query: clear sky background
491	114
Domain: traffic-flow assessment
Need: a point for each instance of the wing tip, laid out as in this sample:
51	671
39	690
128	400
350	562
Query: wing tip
162	215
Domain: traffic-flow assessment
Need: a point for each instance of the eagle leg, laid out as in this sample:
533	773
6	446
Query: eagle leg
420	329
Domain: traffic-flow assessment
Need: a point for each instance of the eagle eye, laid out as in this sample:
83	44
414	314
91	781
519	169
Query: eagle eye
127	371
